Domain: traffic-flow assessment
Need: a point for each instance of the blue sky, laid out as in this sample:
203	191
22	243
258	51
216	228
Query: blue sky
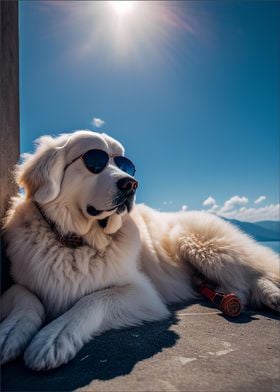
190	88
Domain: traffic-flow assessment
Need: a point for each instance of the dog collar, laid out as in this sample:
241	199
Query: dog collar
71	240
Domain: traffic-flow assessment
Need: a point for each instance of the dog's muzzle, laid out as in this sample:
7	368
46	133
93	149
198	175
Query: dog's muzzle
124	200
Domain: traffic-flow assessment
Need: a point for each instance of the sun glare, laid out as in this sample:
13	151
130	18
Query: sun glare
131	31
122	7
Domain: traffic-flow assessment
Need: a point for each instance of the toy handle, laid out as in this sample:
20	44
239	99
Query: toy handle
229	304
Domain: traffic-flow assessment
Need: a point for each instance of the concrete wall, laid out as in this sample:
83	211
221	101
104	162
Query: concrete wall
9	113
9	109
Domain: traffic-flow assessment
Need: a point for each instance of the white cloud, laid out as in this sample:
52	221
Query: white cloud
184	207
269	212
209	201
232	202
167	202
214	208
260	199
97	122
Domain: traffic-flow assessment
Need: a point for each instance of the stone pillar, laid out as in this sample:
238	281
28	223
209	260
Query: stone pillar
9	108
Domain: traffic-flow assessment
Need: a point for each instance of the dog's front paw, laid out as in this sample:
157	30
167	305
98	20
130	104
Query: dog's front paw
53	346
16	331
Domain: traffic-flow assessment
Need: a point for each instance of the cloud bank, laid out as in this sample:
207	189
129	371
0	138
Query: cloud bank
270	212
236	208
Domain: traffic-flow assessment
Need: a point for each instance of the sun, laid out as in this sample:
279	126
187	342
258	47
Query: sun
122	7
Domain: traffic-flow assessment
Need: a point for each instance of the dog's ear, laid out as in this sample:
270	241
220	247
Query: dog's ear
41	173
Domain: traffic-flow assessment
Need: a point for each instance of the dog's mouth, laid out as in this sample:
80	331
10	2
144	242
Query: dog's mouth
92	211
118	209
126	205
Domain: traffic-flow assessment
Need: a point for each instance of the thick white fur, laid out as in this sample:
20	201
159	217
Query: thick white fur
126	274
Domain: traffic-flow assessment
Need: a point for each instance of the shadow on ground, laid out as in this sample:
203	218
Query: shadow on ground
113	354
246	316
203	331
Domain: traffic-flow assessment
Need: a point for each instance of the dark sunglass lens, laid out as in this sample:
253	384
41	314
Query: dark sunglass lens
95	160
125	165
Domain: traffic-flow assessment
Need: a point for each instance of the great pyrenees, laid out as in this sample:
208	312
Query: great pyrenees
85	260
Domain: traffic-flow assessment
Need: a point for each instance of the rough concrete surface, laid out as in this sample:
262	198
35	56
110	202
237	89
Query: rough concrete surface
197	350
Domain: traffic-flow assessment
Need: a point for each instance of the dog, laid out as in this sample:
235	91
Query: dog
85	259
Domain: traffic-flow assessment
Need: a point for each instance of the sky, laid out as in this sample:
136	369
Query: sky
190	88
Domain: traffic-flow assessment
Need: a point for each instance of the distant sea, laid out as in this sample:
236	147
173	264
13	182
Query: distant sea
274	245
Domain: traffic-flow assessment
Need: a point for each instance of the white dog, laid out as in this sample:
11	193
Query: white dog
86	263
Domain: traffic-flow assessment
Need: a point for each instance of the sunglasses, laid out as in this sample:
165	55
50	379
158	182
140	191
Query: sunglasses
97	160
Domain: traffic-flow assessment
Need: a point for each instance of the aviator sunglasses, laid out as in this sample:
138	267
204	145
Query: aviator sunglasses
97	160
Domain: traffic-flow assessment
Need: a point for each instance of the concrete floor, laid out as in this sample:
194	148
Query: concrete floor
197	350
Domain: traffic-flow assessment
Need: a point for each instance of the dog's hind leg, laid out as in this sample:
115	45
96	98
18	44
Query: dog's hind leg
22	314
266	292
234	263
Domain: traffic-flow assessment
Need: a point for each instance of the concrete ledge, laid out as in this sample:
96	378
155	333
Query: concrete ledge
197	350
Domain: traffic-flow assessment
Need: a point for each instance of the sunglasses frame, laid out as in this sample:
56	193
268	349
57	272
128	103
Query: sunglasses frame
109	156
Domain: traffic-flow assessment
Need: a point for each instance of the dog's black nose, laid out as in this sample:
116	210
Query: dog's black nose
127	184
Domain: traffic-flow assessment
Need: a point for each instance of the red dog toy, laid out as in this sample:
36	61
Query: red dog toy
229	304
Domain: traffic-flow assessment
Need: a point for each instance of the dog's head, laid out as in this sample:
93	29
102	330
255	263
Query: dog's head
84	172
